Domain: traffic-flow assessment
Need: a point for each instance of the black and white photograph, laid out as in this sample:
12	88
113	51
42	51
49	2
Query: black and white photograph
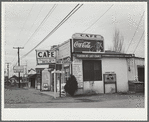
74	61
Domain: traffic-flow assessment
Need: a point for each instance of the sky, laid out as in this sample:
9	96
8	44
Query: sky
21	26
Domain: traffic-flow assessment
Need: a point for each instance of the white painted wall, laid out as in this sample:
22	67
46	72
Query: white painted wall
110	88
119	66
93	87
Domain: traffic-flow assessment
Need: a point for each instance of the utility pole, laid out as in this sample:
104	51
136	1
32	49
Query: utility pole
7	68
26	69
18	60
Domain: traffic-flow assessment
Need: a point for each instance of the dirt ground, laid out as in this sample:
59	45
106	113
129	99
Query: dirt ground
21	97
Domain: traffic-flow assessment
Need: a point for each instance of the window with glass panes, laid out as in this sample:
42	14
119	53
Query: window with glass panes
92	70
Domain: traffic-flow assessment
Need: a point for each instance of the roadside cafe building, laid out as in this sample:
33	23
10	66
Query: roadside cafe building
96	70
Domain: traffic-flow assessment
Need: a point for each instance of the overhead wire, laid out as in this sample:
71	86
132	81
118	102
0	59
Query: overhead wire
138	42
99	18
135	31
35	21
61	23
14	59
56	27
45	18
24	23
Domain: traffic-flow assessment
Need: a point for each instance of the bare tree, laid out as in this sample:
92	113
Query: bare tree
118	41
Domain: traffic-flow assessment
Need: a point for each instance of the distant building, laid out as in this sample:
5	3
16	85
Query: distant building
14	79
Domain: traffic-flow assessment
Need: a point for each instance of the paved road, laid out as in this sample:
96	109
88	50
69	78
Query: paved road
31	98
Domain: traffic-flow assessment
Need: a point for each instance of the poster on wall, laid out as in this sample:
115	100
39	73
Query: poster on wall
87	43
77	72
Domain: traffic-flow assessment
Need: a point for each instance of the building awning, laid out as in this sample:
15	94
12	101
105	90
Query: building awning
109	54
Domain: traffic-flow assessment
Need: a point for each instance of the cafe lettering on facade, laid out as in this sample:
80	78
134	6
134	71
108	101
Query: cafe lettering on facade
97	70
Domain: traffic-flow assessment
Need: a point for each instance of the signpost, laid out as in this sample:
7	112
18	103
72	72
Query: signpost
18	69
55	85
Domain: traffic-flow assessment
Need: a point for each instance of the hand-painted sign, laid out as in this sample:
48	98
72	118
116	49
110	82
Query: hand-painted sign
18	69
80	45
87	42
45	54
87	55
87	36
45	57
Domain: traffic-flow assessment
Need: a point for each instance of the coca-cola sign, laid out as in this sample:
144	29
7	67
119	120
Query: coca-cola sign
80	45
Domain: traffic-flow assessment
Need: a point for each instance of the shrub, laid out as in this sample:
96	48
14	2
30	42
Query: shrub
71	85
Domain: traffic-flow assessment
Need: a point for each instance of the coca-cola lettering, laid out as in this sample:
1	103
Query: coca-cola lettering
78	44
82	45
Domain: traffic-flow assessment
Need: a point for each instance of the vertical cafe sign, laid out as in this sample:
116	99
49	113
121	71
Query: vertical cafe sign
45	57
87	43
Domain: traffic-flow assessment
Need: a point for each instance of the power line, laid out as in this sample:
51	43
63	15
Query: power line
99	18
135	31
70	14
14	59
64	20
24	22
35	21
138	42
32	25
49	13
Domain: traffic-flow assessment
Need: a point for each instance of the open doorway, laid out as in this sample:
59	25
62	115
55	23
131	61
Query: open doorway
141	73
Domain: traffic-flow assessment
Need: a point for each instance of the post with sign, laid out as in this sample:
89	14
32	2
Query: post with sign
45	57
54	84
18	60
60	85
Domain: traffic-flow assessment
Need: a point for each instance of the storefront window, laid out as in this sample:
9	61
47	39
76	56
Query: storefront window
92	70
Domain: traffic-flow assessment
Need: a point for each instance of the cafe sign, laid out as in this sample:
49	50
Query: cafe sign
87	36
45	57
87	43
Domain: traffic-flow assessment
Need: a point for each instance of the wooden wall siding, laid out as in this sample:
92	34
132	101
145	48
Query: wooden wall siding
64	50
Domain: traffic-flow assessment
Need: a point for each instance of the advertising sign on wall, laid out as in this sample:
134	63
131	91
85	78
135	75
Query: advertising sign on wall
80	45
88	42
45	57
87	56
